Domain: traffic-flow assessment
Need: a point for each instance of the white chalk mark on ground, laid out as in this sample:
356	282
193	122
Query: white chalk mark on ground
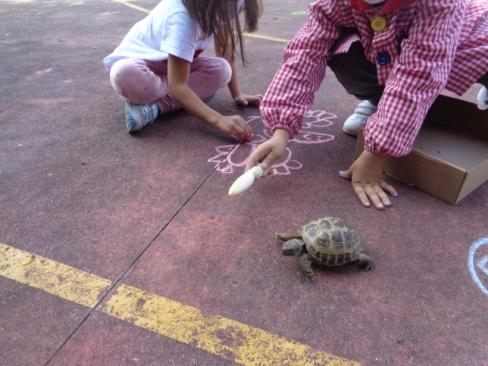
233	157
476	265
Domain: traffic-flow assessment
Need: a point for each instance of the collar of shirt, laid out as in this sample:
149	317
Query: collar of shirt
390	5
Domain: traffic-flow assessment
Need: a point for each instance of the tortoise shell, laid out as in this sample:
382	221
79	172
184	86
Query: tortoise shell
331	242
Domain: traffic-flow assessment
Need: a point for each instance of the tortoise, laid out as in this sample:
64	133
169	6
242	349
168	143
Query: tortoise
327	241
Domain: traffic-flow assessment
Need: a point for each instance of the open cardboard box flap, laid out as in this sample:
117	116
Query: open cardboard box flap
450	155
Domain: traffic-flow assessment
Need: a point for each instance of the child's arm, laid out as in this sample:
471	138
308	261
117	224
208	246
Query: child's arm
235	91
418	77
178	75
291	93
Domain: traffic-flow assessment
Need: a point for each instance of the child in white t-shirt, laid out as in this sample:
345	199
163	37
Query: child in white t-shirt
158	68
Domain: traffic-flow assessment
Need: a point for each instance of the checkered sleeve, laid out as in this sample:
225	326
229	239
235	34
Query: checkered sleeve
417	78
291	93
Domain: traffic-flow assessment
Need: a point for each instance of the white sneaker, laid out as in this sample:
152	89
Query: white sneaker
483	98
358	119
139	116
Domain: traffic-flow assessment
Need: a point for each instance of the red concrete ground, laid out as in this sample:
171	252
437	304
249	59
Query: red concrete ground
152	211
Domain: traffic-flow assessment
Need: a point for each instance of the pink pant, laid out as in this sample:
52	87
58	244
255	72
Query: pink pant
145	82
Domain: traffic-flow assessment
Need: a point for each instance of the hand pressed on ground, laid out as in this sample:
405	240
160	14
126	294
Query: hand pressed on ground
366	175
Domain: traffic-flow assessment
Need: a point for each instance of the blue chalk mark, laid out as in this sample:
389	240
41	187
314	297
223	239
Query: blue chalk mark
482	264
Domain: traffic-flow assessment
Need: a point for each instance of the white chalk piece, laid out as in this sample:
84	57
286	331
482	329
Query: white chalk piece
246	180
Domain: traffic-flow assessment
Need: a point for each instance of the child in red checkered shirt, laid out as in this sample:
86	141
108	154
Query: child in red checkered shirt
395	55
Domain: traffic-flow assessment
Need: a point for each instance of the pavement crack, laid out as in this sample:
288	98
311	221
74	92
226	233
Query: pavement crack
118	280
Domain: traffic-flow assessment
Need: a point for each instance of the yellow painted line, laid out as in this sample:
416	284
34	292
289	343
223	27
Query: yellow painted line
226	338
266	38
222	337
133	6
50	276
250	35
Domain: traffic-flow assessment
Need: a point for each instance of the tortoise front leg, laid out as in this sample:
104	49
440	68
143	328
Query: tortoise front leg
365	262
306	267
286	236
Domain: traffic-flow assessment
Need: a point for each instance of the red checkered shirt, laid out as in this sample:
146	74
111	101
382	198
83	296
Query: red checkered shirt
432	45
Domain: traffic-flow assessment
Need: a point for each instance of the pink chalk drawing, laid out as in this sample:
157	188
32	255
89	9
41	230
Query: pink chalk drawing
230	158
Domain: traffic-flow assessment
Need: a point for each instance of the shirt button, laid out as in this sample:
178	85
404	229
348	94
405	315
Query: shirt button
378	23
383	58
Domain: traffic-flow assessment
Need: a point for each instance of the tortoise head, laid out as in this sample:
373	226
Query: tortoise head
293	247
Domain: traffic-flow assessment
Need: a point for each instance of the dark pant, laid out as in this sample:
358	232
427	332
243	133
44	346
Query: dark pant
359	77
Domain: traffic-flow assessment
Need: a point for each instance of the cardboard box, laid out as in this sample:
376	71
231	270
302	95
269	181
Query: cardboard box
450	155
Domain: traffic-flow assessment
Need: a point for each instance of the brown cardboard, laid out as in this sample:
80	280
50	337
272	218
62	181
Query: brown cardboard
450	155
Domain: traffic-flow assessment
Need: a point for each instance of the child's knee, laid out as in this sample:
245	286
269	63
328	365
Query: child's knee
134	81
221	71
120	74
225	72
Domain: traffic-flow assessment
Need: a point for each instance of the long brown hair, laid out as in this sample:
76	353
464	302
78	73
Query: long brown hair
220	18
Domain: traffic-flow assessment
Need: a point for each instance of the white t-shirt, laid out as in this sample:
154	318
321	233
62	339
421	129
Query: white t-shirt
168	29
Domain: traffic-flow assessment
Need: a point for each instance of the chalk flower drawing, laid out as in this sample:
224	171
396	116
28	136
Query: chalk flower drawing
478	268
230	158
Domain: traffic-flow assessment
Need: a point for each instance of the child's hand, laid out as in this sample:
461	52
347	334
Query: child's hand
269	151
245	100
234	126
366	174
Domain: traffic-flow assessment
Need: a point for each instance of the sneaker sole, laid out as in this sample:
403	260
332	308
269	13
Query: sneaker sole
130	122
349	132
